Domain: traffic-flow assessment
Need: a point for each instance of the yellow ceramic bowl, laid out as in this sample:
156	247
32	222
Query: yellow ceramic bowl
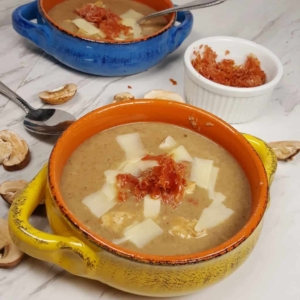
78	250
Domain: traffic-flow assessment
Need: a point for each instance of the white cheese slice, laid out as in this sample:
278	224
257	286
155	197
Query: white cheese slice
219	197
109	190
132	168
214	215
111	176
168	143
180	154
130	226
200	172
135	168
132	14
88	27
132	145
98	203
151	207
147	164
143	233
125	238
136	29
212	182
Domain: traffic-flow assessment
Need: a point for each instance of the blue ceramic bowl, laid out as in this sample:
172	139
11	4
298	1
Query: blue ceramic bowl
100	58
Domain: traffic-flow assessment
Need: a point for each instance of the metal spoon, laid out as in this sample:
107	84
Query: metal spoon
188	6
41	121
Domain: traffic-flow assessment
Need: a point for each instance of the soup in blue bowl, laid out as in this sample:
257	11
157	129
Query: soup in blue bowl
102	37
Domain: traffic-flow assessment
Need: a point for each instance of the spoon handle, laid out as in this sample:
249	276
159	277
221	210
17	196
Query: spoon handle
6	91
188	6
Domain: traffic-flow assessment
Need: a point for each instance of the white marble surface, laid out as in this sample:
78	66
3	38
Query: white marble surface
273	269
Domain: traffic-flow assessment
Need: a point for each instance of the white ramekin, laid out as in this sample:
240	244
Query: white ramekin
233	105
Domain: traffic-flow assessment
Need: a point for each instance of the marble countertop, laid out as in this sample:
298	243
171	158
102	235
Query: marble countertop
273	269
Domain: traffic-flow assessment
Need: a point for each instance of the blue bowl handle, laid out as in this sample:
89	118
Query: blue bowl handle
21	17
179	33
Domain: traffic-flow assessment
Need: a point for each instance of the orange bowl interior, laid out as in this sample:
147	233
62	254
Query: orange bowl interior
178	114
158	5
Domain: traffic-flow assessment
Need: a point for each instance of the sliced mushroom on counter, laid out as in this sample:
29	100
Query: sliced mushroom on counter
59	95
285	150
164	95
14	151
9	190
10	255
122	97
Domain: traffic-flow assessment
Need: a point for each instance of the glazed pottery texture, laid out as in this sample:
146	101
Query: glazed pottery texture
101	58
83	253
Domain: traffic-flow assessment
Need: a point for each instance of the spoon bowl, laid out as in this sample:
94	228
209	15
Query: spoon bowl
46	121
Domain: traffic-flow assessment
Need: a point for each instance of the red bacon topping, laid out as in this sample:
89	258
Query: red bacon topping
165	181
106	20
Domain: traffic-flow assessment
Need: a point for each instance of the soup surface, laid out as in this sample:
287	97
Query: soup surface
106	20
209	201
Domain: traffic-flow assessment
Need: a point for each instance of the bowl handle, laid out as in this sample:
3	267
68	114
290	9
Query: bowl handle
68	252
179	33
266	155
21	21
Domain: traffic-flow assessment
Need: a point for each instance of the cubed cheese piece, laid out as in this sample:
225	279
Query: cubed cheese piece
180	154
151	207
212	182
130	226
88	27
168	143
132	145
132	14
111	176
109	190
200	172
219	197
213	216
132	168
98	203
136	29
147	164
143	233
135	168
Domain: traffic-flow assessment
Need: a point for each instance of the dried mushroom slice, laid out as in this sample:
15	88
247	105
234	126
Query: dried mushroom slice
9	190
14	151
122	97
5	150
285	150
164	95
10	255
59	95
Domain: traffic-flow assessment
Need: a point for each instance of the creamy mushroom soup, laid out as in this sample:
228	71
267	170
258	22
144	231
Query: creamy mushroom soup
106	20
156	188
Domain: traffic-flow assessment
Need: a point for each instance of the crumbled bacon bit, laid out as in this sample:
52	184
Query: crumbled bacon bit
201	46
193	201
106	20
166	181
227	52
129	86
174	82
226	72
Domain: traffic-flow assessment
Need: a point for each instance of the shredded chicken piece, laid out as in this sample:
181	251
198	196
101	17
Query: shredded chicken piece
117	220
185	229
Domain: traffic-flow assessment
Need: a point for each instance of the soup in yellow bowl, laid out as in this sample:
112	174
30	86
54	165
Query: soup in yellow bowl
155	198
